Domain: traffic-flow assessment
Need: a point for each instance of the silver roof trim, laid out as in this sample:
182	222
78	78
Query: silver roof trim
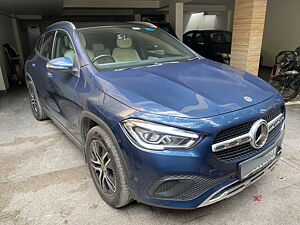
63	22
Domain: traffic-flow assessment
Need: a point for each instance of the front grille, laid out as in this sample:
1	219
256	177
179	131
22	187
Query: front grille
244	128
245	150
174	187
273	114
233	132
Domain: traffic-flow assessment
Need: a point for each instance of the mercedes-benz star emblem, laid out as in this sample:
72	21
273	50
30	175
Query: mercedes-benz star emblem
259	134
248	99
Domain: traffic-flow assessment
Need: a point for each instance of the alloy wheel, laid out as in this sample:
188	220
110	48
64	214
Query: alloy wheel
33	100
103	168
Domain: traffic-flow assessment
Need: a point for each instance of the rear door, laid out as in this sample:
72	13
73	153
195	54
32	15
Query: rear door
38	63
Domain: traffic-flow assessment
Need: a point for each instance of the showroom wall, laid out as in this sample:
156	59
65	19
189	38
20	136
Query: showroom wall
282	30
6	36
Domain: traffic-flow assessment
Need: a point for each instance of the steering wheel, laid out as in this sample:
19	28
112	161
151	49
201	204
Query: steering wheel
101	56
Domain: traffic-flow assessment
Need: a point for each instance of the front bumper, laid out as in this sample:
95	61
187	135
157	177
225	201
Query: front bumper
191	178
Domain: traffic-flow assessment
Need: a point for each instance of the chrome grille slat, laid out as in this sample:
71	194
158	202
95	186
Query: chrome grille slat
227	152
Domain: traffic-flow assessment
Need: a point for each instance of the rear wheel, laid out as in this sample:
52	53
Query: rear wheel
106	167
35	103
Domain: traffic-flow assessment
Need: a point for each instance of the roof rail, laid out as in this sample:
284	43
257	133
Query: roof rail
63	22
143	23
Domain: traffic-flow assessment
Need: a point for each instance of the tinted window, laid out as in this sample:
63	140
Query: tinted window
199	40
63	45
188	37
47	45
221	37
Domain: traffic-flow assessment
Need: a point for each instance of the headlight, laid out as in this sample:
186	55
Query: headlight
159	137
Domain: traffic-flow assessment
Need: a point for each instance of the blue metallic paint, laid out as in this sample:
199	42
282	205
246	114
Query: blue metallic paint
198	95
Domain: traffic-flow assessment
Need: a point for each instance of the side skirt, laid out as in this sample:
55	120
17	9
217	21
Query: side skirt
59	125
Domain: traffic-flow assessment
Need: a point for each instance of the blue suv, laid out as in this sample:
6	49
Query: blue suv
156	122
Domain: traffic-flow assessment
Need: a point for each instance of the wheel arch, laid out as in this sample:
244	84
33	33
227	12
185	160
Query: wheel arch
89	120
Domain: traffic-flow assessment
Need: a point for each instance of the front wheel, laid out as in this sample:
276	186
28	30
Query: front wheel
35	104
106	168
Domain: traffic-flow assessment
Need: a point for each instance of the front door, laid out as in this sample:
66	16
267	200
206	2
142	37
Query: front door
61	85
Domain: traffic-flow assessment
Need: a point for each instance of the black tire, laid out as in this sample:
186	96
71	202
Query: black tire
110	178
34	101
288	93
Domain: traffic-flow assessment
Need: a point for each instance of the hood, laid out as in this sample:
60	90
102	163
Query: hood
194	89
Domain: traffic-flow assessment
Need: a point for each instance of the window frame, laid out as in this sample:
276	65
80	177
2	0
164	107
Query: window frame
76	63
40	54
39	43
55	39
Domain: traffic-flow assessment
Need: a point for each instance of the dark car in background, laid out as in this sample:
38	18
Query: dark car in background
212	44
166	27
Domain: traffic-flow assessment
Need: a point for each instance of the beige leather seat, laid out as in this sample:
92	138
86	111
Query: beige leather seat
70	53
88	51
99	49
124	51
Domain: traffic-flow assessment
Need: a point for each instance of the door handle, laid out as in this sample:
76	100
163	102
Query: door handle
49	74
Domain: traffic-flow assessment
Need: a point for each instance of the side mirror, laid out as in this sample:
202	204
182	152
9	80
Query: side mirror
62	64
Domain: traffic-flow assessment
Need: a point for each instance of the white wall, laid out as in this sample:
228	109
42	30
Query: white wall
6	36
282	29
198	21
213	21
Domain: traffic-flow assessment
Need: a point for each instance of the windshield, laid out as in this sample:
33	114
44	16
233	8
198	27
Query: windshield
221	37
111	48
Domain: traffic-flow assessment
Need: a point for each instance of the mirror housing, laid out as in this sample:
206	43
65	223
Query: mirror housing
62	64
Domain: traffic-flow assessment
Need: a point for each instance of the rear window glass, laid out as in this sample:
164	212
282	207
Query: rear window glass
221	37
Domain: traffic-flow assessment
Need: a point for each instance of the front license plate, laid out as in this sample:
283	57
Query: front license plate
255	164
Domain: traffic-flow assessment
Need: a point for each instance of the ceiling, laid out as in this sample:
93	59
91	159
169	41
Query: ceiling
55	7
32	7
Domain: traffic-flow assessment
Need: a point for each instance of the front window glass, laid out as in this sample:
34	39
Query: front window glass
46	48
112	48
221	37
63	46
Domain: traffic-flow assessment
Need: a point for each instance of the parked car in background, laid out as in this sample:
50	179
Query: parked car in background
166	27
156	122
211	44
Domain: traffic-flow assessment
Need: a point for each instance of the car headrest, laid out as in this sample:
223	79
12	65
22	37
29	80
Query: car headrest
98	47
83	40
124	41
70	45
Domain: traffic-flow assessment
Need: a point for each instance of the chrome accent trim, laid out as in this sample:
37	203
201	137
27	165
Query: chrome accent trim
233	142
221	194
63	22
260	128
273	123
243	139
